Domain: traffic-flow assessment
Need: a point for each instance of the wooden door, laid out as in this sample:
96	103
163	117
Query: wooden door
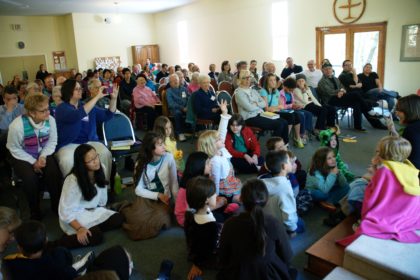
142	52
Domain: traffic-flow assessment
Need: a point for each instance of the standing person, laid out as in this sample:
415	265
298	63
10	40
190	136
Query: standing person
408	113
251	105
304	98
32	140
225	75
82	211
42	72
201	229
243	145
325	182
372	87
76	124
254	245
313	75
290	68
332	92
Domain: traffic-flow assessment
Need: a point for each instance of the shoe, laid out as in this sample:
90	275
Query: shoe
299	144
328	206
81	265
181	137
361	129
166	267
374	114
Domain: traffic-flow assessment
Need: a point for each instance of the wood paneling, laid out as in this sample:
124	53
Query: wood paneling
142	52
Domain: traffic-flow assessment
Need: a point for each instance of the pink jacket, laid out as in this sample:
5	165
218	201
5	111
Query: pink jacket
144	96
391	205
282	100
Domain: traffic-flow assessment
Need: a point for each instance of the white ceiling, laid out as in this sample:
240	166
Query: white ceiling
60	7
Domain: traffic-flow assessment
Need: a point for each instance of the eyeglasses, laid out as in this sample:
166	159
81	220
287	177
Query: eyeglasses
78	88
43	111
246	78
92	160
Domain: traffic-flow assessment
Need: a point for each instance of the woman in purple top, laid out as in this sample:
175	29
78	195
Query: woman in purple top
76	124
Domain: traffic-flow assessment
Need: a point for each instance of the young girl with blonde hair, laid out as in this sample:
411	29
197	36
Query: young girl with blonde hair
212	142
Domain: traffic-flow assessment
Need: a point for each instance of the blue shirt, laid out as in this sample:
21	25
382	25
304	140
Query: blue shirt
177	99
77	127
6	118
273	98
204	102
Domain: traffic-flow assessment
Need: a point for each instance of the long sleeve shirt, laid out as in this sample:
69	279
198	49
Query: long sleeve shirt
328	87
177	99
144	96
288	71
204	102
15	140
313	77
304	97
6	118
250	103
165	169
324	184
126	89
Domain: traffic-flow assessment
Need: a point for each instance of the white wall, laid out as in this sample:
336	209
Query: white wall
95	38
241	29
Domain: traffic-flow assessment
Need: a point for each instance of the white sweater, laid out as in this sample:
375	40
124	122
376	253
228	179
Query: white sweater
15	139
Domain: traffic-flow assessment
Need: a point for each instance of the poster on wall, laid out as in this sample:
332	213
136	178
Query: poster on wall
410	43
60	62
108	62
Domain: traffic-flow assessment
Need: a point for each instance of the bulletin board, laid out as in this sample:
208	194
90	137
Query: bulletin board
108	62
60	61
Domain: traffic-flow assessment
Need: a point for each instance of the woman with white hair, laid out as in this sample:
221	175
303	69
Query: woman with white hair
205	101
251	105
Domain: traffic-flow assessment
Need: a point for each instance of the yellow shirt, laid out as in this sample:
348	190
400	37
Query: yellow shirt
170	145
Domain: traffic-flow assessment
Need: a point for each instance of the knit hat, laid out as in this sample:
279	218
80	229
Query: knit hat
326	64
300	76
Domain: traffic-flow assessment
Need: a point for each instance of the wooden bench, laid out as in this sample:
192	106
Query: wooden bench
324	255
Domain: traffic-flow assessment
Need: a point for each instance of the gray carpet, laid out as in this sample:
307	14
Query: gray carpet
170	244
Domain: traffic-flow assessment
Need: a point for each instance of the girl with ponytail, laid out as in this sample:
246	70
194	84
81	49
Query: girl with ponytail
254	245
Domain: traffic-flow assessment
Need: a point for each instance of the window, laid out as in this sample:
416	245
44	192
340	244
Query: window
183	41
280	30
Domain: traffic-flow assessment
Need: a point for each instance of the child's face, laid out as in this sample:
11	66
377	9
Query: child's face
288	166
219	143
211	201
333	142
236	129
207	167
92	161
168	129
5	238
331	162
159	148
294	165
280	146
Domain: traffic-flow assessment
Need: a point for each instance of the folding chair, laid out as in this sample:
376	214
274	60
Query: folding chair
226	86
214	84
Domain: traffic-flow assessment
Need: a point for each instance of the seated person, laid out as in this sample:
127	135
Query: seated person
304	98
56	97
163	73
348	78
82	213
8	112
243	145
94	85
49	84
9	221
127	85
31	141
312	74
194	85
205	101
145	100
290	68
76	124
225	75
251	105
372	87
177	99
325	182
392	198
35	261
332	92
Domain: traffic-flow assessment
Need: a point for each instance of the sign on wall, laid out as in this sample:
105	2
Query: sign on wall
108	62
348	11
60	62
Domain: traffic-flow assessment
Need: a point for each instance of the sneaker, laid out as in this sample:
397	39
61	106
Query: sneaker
374	114
166	267
181	137
299	144
328	206
81	265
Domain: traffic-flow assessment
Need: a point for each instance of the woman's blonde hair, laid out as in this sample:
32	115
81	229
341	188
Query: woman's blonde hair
8	218
160	127
34	100
394	148
207	142
243	74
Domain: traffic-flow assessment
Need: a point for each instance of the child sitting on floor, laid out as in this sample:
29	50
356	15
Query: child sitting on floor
329	138
213	144
325	182
282	202
391	204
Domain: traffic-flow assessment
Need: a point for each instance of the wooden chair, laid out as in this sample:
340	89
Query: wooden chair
165	109
214	84
224	85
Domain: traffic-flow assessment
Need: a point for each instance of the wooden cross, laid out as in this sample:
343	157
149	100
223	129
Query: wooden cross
349	6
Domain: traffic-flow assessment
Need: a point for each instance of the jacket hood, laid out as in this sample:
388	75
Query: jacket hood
326	135
407	175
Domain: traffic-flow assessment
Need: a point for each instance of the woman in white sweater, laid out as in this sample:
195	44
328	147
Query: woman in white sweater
31	140
304	98
82	212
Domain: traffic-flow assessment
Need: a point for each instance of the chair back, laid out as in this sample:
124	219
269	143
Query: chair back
224	95
214	84
165	109
226	86
234	105
118	128
162	81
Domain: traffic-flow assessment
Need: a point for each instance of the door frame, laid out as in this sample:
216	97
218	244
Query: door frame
349	30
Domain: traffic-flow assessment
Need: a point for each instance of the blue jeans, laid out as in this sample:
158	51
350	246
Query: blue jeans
305	120
179	122
333	196
387	95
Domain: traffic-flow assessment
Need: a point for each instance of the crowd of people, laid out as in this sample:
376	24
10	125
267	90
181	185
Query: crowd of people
49	137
